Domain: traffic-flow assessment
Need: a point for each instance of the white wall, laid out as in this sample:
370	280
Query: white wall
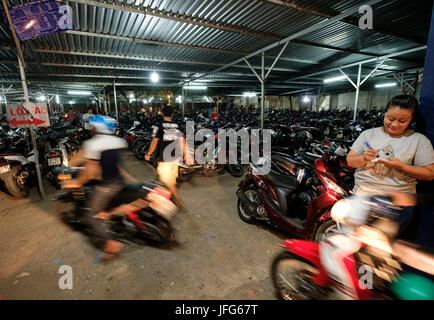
367	100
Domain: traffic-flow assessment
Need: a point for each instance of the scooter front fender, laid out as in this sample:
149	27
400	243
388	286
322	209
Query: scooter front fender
310	251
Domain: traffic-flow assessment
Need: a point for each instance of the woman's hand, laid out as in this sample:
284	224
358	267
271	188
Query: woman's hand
370	155
392	163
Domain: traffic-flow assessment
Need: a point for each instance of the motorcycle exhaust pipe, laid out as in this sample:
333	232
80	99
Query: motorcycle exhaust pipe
251	206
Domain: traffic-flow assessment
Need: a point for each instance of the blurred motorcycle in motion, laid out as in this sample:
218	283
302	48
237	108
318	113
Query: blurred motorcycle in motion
140	212
362	261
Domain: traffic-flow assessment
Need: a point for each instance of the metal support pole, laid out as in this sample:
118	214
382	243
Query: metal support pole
183	102
402	83
105	103
116	103
99	102
373	71
348	78
262	90
32	133
277	59
49	104
357	92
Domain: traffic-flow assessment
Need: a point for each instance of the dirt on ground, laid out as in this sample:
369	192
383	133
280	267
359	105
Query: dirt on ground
215	254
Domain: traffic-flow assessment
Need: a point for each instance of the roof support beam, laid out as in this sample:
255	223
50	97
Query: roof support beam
299	34
120	67
115	56
399	53
161	43
179	18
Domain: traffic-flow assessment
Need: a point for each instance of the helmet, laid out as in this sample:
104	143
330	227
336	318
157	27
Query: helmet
103	124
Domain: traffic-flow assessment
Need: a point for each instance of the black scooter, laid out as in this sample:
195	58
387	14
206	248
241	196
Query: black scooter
150	224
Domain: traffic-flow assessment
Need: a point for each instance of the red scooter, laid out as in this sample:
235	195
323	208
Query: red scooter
296	201
361	262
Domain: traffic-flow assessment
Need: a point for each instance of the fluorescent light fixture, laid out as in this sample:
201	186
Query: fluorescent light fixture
195	87
79	93
179	99
145	101
155	77
306	99
386	85
41	98
93	101
249	94
334	79
71	102
152	98
30	24
57	99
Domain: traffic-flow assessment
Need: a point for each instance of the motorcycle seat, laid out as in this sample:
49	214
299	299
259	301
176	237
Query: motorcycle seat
284	158
282	180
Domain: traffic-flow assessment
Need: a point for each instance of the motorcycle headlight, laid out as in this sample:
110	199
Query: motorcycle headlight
333	186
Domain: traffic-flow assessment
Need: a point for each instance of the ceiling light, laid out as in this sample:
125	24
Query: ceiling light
334	79
249	94
195	87
30	24
79	93
57	99
154	77
41	98
386	85
306	99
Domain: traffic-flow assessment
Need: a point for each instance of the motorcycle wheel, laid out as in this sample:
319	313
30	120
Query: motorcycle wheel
14	187
324	230
236	170
290	273
250	193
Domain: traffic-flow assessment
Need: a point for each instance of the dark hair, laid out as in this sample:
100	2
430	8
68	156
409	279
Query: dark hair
404	102
167	111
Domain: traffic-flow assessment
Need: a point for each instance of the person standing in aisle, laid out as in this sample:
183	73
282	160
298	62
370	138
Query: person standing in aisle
71	115
86	117
165	134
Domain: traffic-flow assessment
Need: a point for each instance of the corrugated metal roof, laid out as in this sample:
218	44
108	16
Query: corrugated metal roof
207	34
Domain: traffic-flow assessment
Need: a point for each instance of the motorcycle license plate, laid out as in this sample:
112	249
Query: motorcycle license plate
54	161
5	169
339	136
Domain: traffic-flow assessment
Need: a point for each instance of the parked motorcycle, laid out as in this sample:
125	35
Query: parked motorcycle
296	198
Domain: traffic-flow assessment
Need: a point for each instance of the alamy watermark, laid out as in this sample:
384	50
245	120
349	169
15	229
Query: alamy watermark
65	21
209	152
367	20
65	281
366	276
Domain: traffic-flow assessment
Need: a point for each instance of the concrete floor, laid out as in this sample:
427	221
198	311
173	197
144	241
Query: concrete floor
215	256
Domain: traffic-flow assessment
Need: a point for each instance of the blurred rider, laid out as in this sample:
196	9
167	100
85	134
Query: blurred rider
102	156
